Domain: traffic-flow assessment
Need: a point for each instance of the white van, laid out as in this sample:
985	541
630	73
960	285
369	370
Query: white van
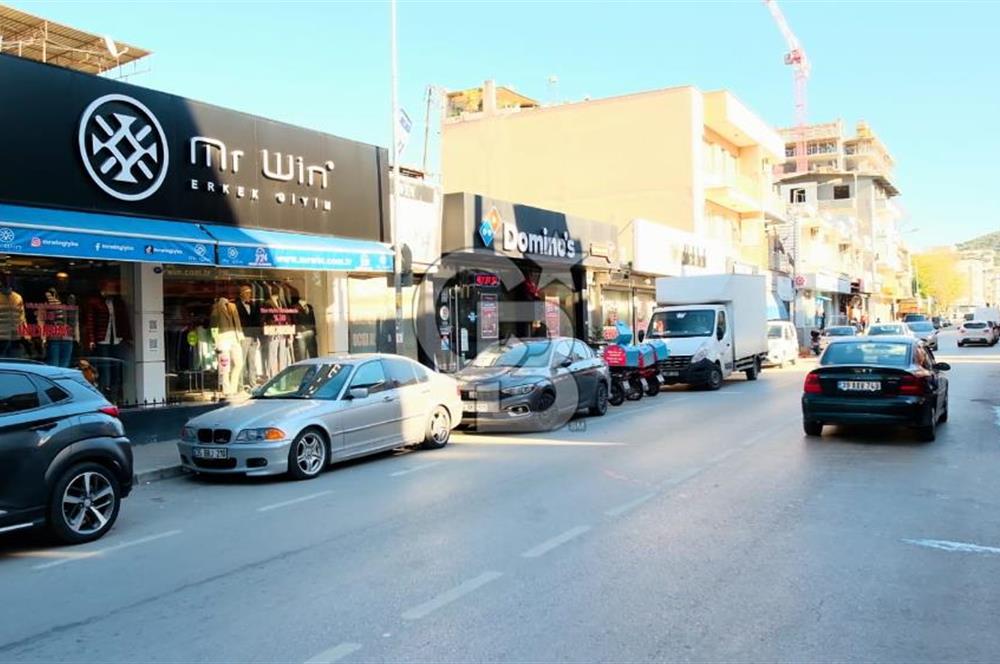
782	344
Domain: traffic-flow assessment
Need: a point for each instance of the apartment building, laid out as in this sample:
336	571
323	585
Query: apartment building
850	258
980	277
685	175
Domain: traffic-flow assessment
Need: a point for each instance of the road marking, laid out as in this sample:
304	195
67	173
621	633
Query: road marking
960	547
414	469
294	501
630	505
449	596
540	442
556	541
335	654
100	552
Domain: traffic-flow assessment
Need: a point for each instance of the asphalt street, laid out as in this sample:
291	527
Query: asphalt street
695	526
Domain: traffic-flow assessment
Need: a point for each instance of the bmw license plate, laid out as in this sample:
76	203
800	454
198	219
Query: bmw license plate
859	386
211	453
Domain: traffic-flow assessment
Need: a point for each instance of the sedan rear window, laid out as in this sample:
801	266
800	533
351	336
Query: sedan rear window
921	327
975	326
841	332
867	352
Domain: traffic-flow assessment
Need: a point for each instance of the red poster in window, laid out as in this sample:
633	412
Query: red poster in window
489	317
552	316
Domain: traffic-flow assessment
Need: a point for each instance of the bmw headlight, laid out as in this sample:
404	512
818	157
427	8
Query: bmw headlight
189	435
518	390
700	355
260	435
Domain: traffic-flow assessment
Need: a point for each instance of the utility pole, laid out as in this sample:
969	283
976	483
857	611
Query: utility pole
427	126
397	258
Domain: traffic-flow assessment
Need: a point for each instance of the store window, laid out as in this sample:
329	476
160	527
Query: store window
372	314
73	314
228	331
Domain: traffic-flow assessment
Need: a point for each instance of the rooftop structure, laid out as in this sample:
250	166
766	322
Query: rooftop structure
830	150
28	36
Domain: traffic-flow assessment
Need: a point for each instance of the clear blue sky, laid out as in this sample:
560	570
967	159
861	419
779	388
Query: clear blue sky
924	74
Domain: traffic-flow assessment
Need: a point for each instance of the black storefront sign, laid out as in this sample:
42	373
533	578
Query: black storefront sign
82	142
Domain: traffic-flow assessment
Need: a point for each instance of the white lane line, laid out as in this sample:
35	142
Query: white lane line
558	540
959	547
335	654
294	501
630	505
414	469
110	549
449	596
486	439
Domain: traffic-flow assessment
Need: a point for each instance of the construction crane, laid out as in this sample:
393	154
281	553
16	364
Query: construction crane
797	59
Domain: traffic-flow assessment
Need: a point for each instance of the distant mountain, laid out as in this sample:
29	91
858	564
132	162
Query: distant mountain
988	241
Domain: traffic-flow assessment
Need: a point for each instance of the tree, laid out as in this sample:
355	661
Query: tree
938	276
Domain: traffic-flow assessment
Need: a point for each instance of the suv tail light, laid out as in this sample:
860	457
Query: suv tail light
961	329
812	385
913	385
109	410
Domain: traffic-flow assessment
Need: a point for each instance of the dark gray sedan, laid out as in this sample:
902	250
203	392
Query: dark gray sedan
926	332
533	384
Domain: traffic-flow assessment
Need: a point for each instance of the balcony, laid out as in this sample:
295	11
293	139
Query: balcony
735	192
775	207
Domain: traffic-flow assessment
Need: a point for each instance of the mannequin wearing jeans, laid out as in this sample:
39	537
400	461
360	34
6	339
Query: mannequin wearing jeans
107	331
228	334
250	321
59	327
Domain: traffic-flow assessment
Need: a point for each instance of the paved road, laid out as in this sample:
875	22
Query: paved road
693	526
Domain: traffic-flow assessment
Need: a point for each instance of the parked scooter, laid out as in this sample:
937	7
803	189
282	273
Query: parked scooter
634	368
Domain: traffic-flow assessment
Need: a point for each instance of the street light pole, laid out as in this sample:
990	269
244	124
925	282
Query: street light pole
394	187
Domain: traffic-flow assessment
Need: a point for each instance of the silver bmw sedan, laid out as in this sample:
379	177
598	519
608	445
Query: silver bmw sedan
321	411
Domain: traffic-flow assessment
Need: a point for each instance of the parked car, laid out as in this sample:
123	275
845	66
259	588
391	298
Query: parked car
834	332
533	383
888	380
889	329
65	462
324	410
925	331
975	332
782	343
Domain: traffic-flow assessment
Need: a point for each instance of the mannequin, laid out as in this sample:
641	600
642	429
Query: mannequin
250	321
228	334
305	331
59	327
12	319
278	333
107	331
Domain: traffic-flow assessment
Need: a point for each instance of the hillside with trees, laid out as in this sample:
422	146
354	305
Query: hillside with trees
988	241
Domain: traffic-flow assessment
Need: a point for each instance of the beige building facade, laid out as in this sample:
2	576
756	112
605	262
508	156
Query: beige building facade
685	176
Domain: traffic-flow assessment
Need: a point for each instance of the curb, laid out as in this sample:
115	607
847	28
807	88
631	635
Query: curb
157	474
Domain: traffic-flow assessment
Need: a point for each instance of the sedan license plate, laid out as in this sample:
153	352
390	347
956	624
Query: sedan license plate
671	374
859	386
211	453
484	407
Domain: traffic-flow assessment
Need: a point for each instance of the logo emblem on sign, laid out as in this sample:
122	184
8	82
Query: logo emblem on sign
6	235
36	242
490	226
123	147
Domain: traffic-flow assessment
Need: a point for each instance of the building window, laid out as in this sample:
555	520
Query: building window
842	191
797	195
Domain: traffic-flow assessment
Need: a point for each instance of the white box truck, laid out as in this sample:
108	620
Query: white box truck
714	325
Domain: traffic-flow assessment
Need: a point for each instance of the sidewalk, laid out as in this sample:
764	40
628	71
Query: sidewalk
156	461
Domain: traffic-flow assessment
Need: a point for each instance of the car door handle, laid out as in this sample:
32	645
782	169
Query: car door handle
44	426
388	398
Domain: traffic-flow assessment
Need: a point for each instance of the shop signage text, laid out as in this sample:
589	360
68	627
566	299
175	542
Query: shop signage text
557	244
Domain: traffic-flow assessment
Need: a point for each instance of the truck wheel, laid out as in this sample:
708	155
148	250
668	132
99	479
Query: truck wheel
753	371
714	378
617	395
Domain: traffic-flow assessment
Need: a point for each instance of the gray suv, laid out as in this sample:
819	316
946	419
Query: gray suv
65	462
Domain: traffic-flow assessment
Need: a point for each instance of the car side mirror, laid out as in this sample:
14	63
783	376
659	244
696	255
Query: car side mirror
942	366
566	364
642	335
358	393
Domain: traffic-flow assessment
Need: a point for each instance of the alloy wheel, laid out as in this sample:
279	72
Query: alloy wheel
88	503
310	453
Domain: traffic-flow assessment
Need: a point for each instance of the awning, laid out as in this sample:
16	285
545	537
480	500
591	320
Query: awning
824	298
776	308
251	247
65	234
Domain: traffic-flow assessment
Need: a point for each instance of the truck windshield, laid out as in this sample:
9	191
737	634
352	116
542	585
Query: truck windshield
689	323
